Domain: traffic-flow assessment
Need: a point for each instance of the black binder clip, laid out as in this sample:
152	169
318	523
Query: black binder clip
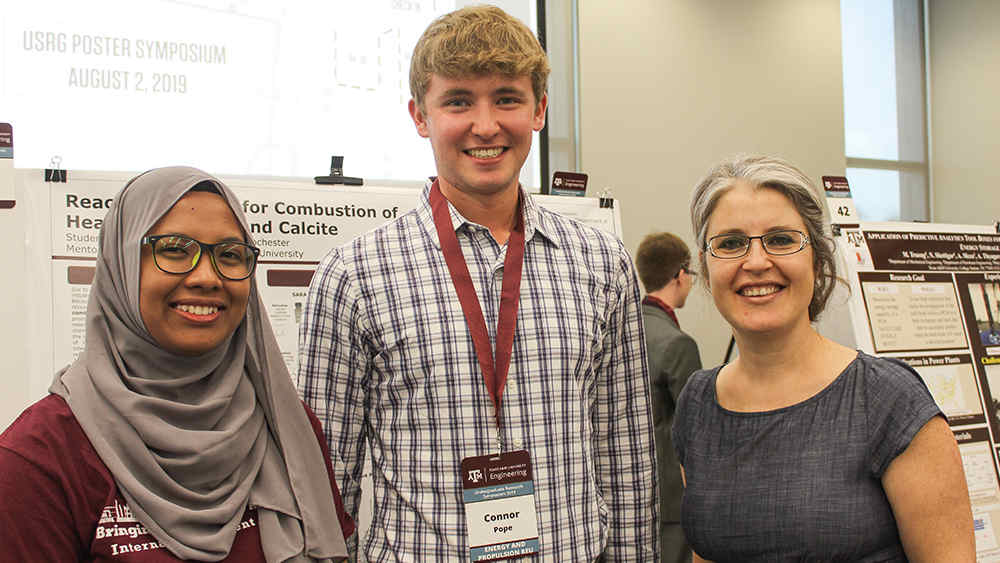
606	201
337	174
55	174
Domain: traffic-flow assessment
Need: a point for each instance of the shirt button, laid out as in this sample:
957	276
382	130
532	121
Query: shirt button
517	443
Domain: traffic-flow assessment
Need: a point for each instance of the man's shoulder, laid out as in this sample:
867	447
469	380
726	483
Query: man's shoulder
585	253
588	248
662	330
658	318
398	231
572	231
357	255
370	263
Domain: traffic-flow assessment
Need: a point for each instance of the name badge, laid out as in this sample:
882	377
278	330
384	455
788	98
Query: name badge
500	513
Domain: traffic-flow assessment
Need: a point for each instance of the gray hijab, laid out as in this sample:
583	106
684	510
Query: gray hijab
191	441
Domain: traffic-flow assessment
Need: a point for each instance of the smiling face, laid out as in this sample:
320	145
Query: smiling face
760	293
480	130
193	313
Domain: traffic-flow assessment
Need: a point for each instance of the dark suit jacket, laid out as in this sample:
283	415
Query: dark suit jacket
673	357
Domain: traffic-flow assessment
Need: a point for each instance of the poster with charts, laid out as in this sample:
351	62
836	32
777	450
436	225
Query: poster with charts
929	295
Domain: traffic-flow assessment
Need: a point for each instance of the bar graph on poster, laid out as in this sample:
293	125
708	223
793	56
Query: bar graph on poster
929	294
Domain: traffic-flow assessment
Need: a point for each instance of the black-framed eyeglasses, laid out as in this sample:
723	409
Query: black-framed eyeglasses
775	243
178	254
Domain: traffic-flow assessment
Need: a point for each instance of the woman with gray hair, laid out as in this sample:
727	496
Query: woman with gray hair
802	449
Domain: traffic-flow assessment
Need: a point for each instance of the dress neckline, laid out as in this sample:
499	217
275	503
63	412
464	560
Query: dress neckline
815	397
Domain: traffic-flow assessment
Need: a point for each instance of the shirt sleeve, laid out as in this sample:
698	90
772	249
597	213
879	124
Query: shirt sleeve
626	458
36	523
51	486
333	369
899	405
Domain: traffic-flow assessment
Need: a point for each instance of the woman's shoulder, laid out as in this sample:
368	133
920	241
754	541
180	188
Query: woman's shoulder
888	374
693	405
55	487
48	436
699	390
897	405
47	421
702	380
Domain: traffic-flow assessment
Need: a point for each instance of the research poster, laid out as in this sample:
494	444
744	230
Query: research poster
294	229
295	224
930	296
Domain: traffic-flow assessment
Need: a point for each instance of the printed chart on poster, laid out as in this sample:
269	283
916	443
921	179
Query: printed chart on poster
294	223
930	295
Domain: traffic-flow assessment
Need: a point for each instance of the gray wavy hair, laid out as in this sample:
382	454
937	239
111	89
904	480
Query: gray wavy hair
788	180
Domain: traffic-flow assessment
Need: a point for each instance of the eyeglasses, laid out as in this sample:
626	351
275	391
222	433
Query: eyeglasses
686	268
177	254
775	243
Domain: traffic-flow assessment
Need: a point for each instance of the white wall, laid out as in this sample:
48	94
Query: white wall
964	49
669	87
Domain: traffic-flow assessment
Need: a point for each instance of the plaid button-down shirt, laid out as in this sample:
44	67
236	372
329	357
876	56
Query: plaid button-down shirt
388	365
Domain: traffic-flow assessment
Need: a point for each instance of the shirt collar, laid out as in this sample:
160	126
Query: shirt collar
534	220
662	305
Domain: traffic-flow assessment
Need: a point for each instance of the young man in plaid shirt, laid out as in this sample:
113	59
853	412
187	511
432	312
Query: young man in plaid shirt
480	323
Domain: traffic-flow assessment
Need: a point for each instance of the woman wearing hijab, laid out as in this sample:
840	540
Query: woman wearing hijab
177	433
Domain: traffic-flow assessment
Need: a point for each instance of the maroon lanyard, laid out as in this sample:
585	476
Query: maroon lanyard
495	376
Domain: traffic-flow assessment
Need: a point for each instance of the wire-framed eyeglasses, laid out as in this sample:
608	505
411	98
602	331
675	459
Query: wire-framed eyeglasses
775	243
178	254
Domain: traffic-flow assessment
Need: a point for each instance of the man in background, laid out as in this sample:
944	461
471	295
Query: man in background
482	327
663	261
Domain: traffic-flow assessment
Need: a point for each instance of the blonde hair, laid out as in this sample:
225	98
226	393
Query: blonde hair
477	40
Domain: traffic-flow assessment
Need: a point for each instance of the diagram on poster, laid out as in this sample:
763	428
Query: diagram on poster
952	381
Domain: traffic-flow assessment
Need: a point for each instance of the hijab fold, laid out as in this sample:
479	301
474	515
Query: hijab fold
193	441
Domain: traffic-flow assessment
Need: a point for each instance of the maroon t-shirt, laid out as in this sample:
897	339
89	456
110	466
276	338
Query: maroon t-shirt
60	503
